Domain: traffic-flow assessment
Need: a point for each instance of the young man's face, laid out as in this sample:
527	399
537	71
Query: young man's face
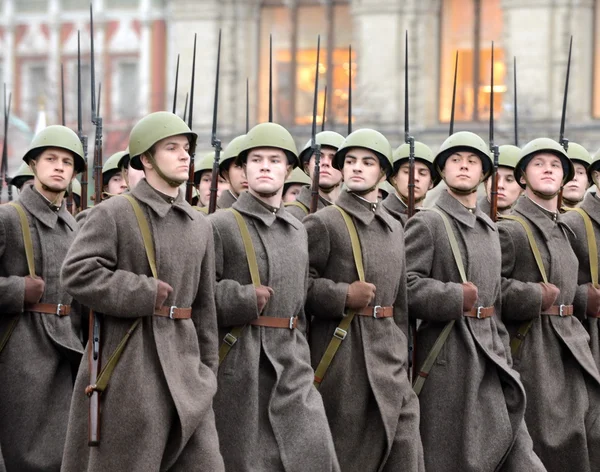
508	188
463	170
575	189
292	193
423	182
204	187
361	170
55	168
328	176
116	185
544	173
132	176
266	170
172	157
236	178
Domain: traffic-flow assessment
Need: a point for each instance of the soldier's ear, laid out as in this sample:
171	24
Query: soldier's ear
522	179
289	171
244	171
145	160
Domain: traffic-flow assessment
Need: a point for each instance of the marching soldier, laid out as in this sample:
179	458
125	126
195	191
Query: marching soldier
23	176
425	179
585	223
132	176
134	262
232	173
509	189
269	416
359	328
39	335
294	184
549	346
203	179
467	390
574	190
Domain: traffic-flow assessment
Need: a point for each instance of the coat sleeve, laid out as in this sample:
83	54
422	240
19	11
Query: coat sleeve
578	239
521	301
236	302
325	299
90	275
205	311
428	298
12	288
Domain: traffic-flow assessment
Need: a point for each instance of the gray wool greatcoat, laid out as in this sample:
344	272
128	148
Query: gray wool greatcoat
304	197
396	208
372	409
226	200
269	415
591	205
472	403
555	362
36	379
157	410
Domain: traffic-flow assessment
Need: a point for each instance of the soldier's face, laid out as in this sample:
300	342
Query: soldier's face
463	170
575	189
204	187
361	170
133	176
328	176
116	185
544	174
423	181
266	170
237	178
292	193
172	157
54	168
508	188
596	179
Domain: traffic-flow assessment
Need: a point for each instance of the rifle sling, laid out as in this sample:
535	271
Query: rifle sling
299	205
232	337
516	342
443	336
342	330
28	244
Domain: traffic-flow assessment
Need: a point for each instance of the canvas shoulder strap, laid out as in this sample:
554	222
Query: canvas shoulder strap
299	205
591	243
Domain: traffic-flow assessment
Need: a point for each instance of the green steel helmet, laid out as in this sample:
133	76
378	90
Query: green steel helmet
464	141
324	138
423	153
23	174
577	153
270	135
229	154
204	164
154	128
111	167
57	136
508	155
297	176
386	189
550	146
366	139
595	165
124	161
76	187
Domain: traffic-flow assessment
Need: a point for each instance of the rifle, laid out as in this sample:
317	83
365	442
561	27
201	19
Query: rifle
216	143
247	107
175	92
270	78
4	168
190	182
562	140
410	140
324	110
349	89
63	122
515	99
451	132
185	107
83	138
494	150
315	147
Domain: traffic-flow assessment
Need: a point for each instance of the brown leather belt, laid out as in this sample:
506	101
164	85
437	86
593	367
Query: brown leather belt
480	312
376	311
174	313
559	310
49	308
272	322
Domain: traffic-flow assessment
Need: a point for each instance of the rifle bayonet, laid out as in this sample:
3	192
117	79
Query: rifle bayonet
215	143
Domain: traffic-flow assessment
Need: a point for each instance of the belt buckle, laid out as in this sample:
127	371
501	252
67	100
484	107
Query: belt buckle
59	309
375	308
479	312
561	310
172	312
230	339
340	333
291	322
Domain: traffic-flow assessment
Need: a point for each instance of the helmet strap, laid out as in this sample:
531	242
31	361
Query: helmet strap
172	182
543	196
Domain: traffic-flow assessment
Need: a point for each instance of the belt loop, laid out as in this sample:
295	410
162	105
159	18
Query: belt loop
172	312
291	322
479	312
561	310
375	308
340	333
59	309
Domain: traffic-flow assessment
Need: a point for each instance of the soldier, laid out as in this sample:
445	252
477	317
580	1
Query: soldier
468	391
278	422
384	189
132	176
425	179
232	173
23	176
39	342
294	184
330	179
509	189
585	223
203	179
146	262
574	191
372	409
549	346
113	180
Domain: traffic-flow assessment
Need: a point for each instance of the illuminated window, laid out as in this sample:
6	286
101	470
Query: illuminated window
295	30
469	27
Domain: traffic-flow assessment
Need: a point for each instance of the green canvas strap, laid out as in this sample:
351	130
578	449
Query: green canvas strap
298	204
591	242
201	209
443	336
28	244
232	337
516	342
341	331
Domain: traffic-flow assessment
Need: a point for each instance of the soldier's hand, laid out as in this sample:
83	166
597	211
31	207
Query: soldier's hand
593	301
470	294
359	295
549	295
162	292
263	294
34	289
